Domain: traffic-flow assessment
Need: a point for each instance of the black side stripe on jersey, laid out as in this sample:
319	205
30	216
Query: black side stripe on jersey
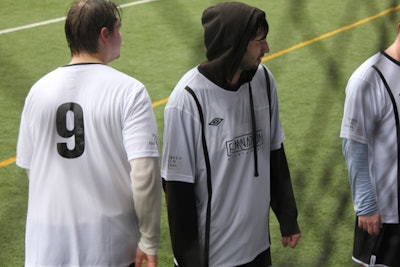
254	129
396	116
253	118
209	186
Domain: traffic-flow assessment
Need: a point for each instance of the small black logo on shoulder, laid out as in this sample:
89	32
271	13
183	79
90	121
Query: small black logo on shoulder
215	122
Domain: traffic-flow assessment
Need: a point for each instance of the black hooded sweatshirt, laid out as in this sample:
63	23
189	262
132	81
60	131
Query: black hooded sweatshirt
228	28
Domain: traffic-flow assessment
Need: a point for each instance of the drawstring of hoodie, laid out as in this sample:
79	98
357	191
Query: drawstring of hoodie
254	131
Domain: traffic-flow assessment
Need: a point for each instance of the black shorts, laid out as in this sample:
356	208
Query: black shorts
262	260
382	249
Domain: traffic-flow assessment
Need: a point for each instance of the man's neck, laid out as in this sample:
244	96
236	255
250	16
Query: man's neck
86	58
394	50
235	79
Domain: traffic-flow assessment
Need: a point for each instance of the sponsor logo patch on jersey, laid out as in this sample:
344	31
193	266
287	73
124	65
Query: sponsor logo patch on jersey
215	122
243	143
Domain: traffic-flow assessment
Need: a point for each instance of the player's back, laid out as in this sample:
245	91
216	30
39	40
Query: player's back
80	195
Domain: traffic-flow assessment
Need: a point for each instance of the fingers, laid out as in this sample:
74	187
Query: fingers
143	258
372	224
138	261
285	241
151	261
291	241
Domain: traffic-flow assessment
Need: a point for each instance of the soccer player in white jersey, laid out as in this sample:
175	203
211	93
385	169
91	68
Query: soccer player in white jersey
371	142
89	140
223	163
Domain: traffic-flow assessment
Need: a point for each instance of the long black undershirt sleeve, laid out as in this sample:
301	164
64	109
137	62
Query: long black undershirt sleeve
282	197
182	218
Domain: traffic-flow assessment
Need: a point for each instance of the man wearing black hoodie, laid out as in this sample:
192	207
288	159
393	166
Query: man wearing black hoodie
224	164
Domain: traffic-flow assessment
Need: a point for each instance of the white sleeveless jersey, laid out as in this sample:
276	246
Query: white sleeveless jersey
240	201
369	119
80	126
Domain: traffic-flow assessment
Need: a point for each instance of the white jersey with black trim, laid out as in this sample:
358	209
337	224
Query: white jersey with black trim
369	119
80	126
240	201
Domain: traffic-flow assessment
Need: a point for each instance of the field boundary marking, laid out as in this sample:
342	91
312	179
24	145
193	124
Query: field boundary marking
7	162
51	21
313	40
329	34
266	58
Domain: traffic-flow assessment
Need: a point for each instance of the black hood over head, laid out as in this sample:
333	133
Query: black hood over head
228	28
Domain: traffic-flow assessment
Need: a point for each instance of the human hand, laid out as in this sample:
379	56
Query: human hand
291	240
372	224
141	257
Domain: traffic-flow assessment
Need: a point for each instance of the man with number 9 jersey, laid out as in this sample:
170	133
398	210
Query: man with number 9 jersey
89	140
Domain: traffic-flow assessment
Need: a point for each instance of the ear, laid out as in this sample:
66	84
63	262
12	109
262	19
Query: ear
104	34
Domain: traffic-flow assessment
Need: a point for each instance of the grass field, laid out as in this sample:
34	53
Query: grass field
315	46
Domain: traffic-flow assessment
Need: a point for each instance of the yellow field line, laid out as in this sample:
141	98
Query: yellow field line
7	162
316	39
326	35
159	102
277	54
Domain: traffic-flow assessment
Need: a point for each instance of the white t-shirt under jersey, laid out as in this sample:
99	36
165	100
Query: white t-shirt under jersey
80	126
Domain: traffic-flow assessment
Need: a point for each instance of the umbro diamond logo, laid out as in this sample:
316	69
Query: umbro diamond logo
215	122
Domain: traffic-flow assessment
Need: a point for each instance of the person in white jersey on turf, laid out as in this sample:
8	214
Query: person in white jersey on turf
223	163
371	142
89	140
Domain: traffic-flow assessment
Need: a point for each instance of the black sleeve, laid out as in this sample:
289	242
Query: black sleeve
282	197
182	219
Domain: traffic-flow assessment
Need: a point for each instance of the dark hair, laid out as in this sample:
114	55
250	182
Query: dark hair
84	22
261	26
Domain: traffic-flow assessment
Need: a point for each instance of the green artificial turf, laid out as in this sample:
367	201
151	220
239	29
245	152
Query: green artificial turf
162	40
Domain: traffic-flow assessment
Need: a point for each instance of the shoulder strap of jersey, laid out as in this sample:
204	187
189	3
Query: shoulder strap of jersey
268	91
209	185
396	117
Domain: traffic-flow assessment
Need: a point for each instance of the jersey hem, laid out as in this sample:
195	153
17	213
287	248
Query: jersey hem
367	265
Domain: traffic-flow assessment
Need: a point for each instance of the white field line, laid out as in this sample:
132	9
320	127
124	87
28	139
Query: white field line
50	21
